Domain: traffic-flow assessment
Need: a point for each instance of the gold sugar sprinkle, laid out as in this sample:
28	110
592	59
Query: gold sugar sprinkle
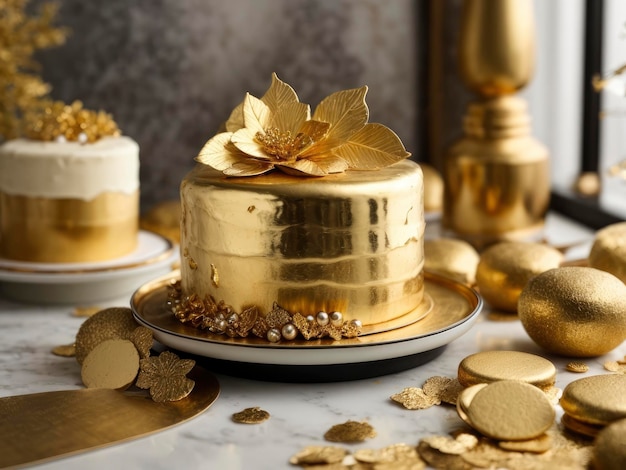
578	367
448	445
165	376
65	350
253	415
87	311
313	455
445	389
350	431
414	398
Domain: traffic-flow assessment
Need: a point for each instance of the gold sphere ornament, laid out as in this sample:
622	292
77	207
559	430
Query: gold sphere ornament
608	251
574	311
455	259
505	268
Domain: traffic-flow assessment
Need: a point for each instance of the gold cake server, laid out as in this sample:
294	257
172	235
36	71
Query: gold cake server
48	425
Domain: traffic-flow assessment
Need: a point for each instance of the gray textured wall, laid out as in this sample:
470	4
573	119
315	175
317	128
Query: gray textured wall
170	71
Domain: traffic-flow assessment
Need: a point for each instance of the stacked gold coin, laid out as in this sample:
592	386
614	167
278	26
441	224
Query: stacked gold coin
592	403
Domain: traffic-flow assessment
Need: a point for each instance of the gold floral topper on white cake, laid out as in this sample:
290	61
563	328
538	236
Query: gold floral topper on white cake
278	132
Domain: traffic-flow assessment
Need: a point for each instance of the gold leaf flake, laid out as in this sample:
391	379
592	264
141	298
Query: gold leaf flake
414	398
165	376
448	445
313	455
439	460
215	276
614	366
277	317
308	329
65	350
393	453
251	416
578	367
142	338
445	389
350	431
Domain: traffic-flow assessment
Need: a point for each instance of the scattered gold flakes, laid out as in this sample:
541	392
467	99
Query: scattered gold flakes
448	445
87	311
65	350
615	366
445	389
538	445
414	398
215	276
439	460
390	454
110	323
578	367
251	416
111	364
143	340
486	455
165	376
313	455
554	394
350	431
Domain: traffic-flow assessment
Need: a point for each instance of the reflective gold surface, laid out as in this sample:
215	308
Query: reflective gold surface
452	303
505	268
351	243
43	426
598	399
497	45
491	366
574	311
68	230
497	175
452	258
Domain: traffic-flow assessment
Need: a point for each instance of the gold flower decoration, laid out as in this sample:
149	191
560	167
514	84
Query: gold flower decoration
165	376
277	131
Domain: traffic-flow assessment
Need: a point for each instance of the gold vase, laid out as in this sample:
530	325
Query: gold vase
497	184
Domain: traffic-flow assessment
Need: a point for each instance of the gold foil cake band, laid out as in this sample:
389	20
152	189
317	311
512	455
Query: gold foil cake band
68	230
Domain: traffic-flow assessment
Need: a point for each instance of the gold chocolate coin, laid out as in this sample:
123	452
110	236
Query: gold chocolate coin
510	410
598	399
609	451
505	268
465	399
114	364
455	259
574	311
608	251
491	366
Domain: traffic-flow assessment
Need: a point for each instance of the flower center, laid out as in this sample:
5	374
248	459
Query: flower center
282	145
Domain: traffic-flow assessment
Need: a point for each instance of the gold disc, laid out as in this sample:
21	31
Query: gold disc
598	399
114	364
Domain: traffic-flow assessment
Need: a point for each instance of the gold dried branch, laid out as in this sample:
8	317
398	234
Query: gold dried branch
278	132
21	89
70	122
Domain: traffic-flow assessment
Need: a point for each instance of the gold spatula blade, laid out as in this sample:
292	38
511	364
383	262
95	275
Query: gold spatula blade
43	426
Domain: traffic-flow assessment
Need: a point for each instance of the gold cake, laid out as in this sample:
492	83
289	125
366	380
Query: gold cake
278	248
69	193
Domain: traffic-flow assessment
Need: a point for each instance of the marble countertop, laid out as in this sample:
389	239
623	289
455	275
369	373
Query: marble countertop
300	413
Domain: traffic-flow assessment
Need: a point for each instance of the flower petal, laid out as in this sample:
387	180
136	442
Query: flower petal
248	168
244	140
235	120
171	389
373	147
346	112
330	163
218	153
290	117
279	94
300	167
256	114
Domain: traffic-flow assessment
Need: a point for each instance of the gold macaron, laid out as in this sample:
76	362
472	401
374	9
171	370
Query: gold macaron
509	410
608	251
505	268
454	259
596	400
574	311
491	366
